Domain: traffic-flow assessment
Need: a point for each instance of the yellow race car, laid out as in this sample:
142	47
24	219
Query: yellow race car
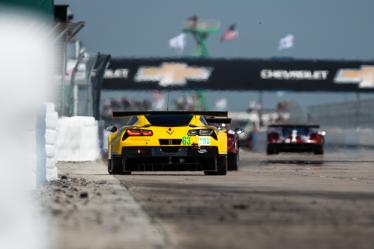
167	141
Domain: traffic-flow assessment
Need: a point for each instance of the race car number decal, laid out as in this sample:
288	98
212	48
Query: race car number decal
204	140
186	140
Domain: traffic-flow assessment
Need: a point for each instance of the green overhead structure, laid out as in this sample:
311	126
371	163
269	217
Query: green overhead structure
200	31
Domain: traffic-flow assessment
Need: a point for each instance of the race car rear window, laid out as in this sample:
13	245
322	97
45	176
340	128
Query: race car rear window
302	131
169	119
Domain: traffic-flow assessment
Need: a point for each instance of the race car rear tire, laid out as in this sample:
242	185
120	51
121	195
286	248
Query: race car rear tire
319	151
221	162
232	162
109	166
123	169
115	167
271	150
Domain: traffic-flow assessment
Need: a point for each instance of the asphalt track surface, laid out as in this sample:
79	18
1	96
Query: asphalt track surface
280	201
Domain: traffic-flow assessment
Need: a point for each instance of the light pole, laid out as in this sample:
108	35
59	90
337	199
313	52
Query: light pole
81	56
65	33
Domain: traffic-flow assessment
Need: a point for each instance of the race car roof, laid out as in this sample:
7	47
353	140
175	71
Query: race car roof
202	113
294	125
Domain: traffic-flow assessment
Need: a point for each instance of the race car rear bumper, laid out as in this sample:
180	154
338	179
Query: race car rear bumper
305	147
169	158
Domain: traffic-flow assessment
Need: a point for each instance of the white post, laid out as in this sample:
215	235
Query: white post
75	99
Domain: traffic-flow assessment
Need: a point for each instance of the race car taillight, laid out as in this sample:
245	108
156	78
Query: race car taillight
136	132
202	132
147	132
273	137
315	137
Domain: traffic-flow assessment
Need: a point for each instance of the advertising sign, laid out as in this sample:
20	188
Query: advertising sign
239	74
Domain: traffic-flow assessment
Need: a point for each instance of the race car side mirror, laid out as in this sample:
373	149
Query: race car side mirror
111	128
239	131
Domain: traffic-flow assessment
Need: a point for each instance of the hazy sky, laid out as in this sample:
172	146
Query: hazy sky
322	28
338	29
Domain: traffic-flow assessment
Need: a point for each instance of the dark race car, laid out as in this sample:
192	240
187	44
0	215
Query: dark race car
232	140
294	138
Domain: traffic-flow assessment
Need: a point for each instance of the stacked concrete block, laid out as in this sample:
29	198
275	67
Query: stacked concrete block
51	119
77	139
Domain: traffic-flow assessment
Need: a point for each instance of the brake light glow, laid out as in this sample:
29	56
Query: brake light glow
134	132
315	137
147	132
138	132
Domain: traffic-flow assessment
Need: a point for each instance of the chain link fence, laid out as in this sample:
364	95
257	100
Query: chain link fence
346	115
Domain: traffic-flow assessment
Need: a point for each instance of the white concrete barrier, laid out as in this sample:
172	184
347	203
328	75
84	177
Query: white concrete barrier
51	119
50	135
50	138
77	139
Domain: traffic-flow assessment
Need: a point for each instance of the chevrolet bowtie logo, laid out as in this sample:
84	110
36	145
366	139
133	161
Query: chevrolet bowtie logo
173	74
363	76
170	131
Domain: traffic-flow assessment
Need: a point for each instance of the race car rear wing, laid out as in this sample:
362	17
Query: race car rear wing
218	120
294	126
202	113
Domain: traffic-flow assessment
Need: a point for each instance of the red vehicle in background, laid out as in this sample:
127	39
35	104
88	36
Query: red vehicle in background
233	149
232	140
295	138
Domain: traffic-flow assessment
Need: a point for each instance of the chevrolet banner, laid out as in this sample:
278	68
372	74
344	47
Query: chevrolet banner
239	74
